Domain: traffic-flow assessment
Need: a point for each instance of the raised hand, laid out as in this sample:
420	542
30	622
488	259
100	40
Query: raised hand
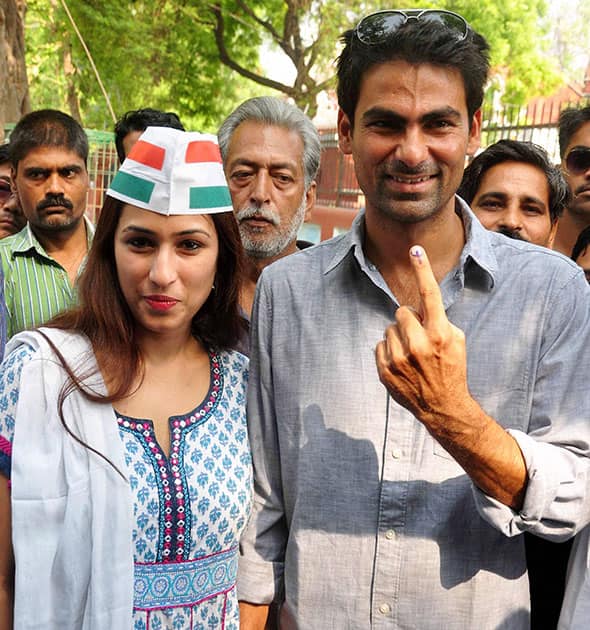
422	362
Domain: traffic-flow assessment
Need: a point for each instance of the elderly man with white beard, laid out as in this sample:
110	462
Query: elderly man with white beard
271	155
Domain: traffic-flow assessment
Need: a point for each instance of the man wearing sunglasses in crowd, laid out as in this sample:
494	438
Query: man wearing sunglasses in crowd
415	397
574	148
12	219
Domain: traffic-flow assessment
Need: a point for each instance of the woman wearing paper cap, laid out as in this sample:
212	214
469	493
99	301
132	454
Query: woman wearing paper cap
122	422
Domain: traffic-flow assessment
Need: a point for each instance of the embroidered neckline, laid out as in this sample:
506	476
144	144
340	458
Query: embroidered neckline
175	516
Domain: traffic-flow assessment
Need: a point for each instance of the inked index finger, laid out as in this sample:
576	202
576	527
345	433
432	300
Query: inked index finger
433	310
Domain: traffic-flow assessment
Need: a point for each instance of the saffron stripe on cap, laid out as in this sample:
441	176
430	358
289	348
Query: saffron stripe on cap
132	186
148	154
209	197
202	151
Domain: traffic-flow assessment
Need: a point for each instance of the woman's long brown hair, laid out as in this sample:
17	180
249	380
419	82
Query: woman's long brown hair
105	318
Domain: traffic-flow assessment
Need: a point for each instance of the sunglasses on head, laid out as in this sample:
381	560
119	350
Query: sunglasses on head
377	27
578	160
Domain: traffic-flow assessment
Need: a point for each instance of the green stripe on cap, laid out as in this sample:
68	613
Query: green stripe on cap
205	197
133	186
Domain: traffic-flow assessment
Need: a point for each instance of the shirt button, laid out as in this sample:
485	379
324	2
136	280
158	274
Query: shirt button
385	609
396	453
390	534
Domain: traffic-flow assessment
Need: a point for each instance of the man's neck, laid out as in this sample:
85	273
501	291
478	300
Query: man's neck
387	245
68	248
61	241
569	227
253	269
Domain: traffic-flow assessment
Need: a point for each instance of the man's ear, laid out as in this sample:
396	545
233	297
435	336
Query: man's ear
344	133
474	134
310	196
13	179
552	234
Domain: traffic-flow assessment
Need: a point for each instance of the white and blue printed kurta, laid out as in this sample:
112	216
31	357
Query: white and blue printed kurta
189	507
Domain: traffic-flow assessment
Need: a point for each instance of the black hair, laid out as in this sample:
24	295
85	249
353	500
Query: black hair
570	120
517	151
581	244
104	317
4	153
140	120
47	128
417	42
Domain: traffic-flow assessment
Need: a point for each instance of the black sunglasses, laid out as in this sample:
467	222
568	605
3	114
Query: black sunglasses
578	160
376	28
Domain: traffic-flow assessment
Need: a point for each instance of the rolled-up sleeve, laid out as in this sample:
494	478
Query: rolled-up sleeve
556	447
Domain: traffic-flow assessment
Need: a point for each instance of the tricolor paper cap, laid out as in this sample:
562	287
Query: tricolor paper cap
173	172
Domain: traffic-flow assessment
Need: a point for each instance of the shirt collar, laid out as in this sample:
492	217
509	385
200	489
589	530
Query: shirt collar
25	240
351	240
477	254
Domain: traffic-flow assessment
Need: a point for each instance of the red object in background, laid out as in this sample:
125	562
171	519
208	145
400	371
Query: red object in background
332	220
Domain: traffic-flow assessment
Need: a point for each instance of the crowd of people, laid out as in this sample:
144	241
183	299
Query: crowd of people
208	423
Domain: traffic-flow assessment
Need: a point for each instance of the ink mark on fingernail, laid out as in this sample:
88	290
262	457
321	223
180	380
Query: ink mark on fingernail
416	251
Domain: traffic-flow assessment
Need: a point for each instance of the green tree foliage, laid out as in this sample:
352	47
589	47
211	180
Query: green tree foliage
307	32
200	58
518	32
148	54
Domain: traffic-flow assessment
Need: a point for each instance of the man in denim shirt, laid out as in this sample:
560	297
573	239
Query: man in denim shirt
397	463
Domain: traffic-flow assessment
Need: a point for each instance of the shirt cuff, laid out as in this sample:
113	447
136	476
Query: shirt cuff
553	472
258	581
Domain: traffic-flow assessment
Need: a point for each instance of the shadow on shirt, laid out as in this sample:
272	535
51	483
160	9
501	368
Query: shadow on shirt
334	481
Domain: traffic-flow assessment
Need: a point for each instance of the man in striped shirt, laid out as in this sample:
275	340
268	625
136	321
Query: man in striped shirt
48	151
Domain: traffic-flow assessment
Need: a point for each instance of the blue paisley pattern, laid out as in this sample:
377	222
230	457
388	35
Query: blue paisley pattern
190	507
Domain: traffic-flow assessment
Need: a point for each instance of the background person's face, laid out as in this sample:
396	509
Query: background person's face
264	168
52	185
579	184
12	219
513	198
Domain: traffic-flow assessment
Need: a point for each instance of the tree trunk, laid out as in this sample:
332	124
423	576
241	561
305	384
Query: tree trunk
69	73
14	87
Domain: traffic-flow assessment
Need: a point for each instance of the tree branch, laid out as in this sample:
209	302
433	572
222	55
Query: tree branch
226	59
266	25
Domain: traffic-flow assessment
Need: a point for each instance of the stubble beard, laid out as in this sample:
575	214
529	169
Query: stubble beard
580	209
406	207
57	223
261	246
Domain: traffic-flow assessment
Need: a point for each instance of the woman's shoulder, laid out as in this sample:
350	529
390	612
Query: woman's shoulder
17	355
234	368
42	340
233	359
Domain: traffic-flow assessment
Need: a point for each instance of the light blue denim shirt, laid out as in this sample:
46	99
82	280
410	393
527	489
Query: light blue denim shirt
361	519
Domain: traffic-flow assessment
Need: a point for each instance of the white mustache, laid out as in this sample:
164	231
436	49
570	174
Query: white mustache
252	211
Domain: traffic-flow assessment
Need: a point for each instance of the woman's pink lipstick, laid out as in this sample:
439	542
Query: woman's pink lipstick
160	302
